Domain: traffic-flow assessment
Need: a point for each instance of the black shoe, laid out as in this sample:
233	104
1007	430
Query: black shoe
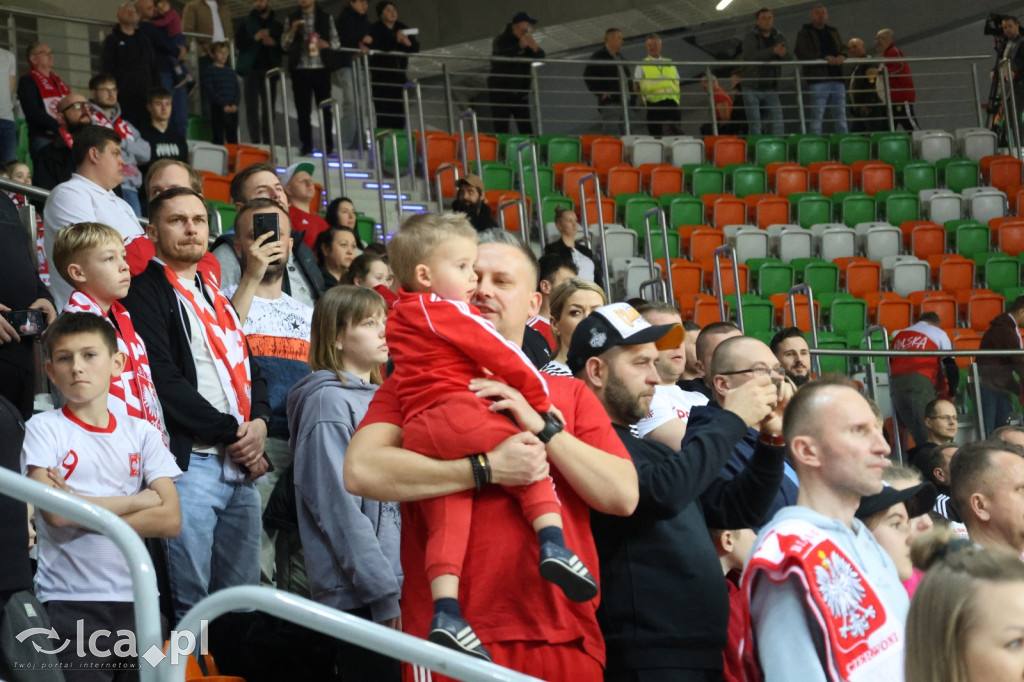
561	566
454	632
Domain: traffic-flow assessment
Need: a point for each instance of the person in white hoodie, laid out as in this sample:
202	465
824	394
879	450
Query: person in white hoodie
351	543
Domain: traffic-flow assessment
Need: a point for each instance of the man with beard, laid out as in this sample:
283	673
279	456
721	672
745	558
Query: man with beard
469	199
278	329
664	609
791	349
214	399
53	164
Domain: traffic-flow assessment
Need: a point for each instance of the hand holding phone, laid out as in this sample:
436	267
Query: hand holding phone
264	223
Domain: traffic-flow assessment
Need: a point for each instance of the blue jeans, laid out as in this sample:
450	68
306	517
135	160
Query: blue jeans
822	94
179	103
219	544
8	141
996	408
754	101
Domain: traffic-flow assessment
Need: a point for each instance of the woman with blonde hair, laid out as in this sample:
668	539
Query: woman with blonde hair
966	620
571	301
351	544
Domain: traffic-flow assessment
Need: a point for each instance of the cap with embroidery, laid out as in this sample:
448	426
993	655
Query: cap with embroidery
617	324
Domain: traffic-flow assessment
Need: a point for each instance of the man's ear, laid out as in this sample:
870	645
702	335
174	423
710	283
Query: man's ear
979	505
940	475
804	450
595	373
94	154
719	384
535	301
545	287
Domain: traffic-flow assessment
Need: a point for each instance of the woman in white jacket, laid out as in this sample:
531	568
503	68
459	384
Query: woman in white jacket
351	544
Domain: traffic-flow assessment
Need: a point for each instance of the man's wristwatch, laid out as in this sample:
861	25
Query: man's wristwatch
266	419
551	427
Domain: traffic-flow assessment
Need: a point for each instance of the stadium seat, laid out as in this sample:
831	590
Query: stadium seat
957	173
442	149
938	302
910	275
919	175
608	209
488	147
209	157
1001	171
622	179
703	242
683	209
927	240
774	278
807	149
801	309
985	203
863	277
850	147
830	177
795	242
665	180
746	179
725	269
791	179
769	149
853	207
1000	272
848	314
932	145
216	187
873	176
545	177
1010	238
703	179
495	175
971	238
944	207
656	249
758	313
725	149
561	149
976	143
899	207
751	242
811	208
687	278
965	339
646	151
685	151
727	210
892	148
822	277
620	242
508	144
954	273
837	243
982	309
771	210
604	153
882	240
632	209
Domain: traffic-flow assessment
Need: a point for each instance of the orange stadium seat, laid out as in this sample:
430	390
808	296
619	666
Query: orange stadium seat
665	180
1001	171
605	152
965	339
622	179
488	147
725	149
570	180
938	302
247	156
216	187
790	179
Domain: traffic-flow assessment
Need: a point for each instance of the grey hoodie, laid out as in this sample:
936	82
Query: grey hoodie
351	544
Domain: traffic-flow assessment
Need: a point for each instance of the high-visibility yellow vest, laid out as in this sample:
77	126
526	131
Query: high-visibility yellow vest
659	82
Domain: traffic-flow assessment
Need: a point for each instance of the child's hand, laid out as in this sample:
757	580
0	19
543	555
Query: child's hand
147	499
57	478
507	398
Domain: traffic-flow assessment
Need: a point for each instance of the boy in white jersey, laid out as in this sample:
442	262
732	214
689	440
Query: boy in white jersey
118	463
91	258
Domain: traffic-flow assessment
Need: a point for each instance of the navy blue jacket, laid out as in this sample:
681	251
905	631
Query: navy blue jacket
220	83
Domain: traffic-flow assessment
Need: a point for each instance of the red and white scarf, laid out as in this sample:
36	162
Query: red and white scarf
118	124
42	265
51	88
863	642
134	389
224	338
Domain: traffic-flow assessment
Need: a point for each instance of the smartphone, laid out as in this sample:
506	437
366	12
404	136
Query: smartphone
26	322
263	223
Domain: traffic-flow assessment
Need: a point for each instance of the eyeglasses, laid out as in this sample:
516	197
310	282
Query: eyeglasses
758	371
944	417
76	105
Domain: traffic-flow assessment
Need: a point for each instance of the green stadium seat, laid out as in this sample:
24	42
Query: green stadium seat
850	147
508	143
999	272
632	208
854	207
892	148
657	247
811	208
199	128
971	238
958	174
767	149
746	179
364	228
899	207
683	209
774	277
703	178
807	149
848	314
758	313
919	175
831	363
561	149
823	278
498	175
546	176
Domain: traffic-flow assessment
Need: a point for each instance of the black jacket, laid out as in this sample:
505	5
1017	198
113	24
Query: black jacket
15	567
808	46
163	325
53	164
603	79
254	55
559	247
664	602
40	123
352	28
479	216
757	48
321	24
511	75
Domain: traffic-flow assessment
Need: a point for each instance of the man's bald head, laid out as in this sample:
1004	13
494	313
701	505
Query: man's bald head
708	341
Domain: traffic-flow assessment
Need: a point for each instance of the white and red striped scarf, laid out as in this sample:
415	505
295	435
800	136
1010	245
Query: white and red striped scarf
42	265
51	88
224	338
134	389
118	124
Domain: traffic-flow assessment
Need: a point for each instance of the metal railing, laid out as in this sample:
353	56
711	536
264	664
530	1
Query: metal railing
441	170
471	115
663	226
538	200
721	252
379	169
279	74
335	109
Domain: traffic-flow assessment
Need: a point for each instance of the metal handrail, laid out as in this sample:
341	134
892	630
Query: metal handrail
441	170
471	114
654	280
868	336
888	98
423	140
519	209
30	191
663	225
717	274
583	205
538	201
344	626
410	146
1010	101
335	109
94	518
268	77
791	299
379	170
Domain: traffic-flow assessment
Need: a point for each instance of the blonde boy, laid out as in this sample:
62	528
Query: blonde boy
91	258
118	463
439	344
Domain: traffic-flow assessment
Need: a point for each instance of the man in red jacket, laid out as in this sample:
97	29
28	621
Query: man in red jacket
901	83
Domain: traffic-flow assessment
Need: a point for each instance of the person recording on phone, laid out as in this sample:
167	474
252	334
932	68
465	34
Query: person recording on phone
736	361
278	329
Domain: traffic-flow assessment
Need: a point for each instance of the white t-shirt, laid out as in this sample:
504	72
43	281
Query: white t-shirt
77	564
218	27
208	381
283	317
669	402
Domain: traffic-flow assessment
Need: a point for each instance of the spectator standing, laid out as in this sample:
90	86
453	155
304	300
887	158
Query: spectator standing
351	543
866	108
918	380
669	409
818	40
569	247
220	83
509	82
214	401
763	43
387	71
354	34
88	197
819	548
105	111
168	19
1012	51
39	92
901	83
301	191
8	133
164	140
129	57
209	17
169	55
258	39
607	82
1002	376
20	289
469	199
309	32
658	85
664	610
54	163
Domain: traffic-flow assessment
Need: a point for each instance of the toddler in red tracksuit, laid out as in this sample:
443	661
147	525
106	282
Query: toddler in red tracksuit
439	343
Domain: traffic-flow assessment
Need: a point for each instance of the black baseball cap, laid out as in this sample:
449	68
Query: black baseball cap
919	499
618	324
523	16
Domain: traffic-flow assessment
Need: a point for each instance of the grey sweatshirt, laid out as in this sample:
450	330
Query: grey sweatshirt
351	544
